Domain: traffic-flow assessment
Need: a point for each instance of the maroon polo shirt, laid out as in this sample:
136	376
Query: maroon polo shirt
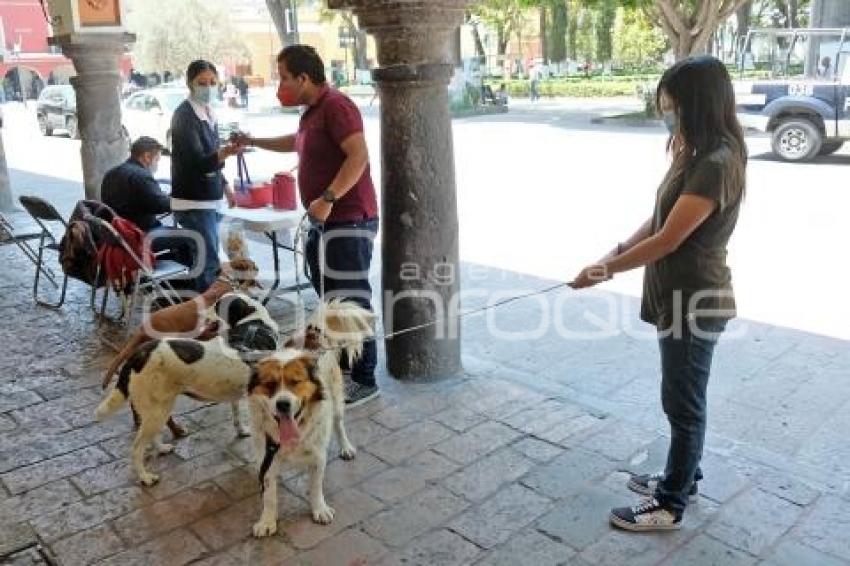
323	128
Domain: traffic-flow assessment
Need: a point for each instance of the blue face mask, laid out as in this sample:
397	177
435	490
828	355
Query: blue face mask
203	94
671	120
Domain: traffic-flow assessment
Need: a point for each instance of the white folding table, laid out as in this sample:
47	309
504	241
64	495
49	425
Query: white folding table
269	222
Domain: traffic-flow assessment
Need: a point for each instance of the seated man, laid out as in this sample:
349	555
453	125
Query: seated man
132	192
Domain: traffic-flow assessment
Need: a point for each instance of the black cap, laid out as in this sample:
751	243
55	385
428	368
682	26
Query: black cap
145	144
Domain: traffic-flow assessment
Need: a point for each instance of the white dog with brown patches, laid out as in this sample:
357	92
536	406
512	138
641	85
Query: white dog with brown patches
296	397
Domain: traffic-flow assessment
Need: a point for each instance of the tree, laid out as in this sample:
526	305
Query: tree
558	32
690	24
504	16
606	13
204	31
287	28
348	21
636	41
474	22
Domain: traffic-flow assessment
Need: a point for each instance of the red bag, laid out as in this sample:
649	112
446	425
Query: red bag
247	194
283	192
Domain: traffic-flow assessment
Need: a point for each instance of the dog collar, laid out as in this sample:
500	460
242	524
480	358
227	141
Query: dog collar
272	449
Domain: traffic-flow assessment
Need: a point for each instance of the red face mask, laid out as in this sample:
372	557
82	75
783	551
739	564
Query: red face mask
286	96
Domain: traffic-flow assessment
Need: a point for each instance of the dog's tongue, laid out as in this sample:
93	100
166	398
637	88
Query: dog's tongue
288	431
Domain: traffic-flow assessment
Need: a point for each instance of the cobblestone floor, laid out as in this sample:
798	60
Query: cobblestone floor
516	462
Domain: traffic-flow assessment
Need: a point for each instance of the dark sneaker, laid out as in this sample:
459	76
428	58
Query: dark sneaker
648	516
357	394
645	484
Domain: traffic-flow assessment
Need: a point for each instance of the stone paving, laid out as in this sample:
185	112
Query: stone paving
515	462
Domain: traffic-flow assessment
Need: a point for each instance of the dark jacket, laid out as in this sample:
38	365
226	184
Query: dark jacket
195	170
132	192
79	245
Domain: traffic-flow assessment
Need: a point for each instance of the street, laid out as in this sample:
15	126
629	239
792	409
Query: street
542	191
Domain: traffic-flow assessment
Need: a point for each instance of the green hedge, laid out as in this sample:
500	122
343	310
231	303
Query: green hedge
581	88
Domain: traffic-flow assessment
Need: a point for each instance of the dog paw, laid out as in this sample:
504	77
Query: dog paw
242	431
323	515
348	452
148	479
165	448
178	431
265	528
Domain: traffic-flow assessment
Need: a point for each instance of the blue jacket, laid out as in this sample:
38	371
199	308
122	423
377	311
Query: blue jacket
195	170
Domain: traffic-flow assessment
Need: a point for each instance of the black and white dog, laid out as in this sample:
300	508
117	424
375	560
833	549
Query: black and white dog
218	370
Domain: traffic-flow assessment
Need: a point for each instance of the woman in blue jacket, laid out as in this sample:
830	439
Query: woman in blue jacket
197	159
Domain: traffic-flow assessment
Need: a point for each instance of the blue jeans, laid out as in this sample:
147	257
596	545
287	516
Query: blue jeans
685	366
205	223
350	255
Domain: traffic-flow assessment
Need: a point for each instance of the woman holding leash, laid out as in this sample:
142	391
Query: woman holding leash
687	290
196	162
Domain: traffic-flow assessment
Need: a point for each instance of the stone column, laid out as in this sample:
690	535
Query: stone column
419	209
98	89
6	202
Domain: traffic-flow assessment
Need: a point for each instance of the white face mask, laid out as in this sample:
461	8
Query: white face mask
671	120
203	94
153	167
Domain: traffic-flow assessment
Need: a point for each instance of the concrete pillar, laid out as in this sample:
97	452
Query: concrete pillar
6	202
420	279
98	89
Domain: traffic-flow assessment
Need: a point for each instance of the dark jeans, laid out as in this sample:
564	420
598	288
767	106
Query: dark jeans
348	251
182	249
204	222
685	366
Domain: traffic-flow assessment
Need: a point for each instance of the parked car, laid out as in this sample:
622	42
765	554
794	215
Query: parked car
148	113
806	116
56	109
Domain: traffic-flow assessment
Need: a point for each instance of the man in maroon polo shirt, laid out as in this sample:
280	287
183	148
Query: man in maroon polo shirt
336	190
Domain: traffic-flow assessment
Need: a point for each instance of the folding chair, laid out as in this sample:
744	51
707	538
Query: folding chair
156	279
44	214
10	235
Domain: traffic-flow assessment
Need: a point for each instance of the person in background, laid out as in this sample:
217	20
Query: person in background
242	86
825	68
502	95
687	291
197	158
336	190
534	88
132	192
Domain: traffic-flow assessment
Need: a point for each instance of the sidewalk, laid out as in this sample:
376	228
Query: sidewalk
516	461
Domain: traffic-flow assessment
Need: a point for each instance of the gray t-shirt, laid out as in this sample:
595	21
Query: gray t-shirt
698	266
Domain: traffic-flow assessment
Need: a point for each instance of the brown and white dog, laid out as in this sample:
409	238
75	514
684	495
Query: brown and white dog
296	396
189	318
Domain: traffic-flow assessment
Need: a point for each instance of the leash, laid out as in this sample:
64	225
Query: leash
272	449
387	336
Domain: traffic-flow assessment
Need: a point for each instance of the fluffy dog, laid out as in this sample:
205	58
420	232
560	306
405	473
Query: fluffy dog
219	370
295	397
188	318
